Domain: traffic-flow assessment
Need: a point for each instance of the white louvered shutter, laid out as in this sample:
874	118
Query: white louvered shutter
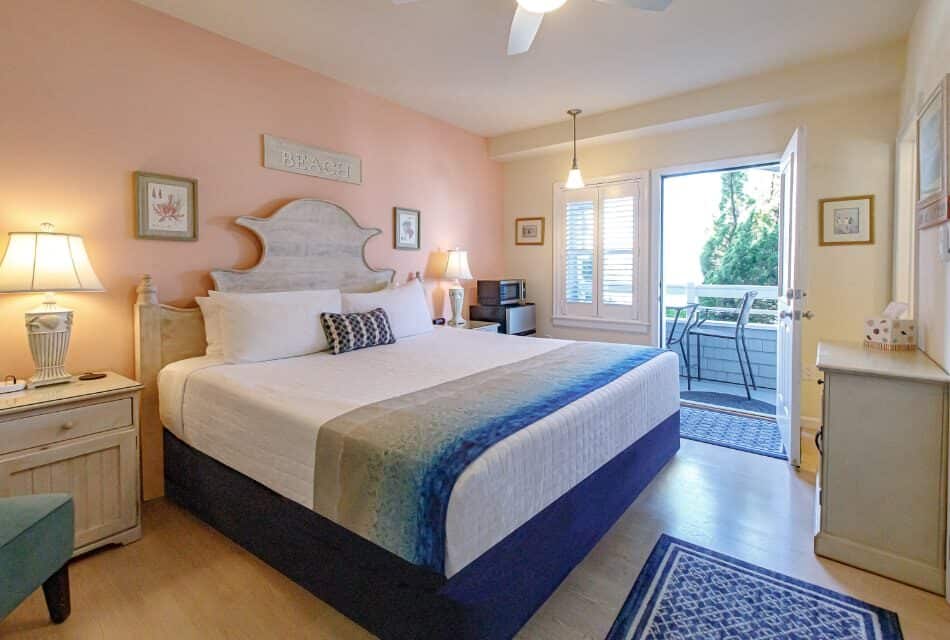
579	252
618	250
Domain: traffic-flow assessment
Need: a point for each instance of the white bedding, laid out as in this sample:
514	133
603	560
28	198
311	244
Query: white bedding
262	419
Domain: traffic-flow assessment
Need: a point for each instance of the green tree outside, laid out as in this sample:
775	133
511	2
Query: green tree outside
743	245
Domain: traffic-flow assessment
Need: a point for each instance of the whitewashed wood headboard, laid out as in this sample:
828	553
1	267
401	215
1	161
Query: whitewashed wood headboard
307	244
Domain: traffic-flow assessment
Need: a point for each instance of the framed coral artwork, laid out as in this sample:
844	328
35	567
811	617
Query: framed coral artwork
166	207
407	228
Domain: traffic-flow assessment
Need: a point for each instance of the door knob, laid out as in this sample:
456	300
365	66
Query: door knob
785	314
808	314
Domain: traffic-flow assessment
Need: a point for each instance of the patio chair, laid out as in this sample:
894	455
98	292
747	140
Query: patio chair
735	333
690	314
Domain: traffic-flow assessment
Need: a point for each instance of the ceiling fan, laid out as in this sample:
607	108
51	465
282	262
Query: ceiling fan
529	13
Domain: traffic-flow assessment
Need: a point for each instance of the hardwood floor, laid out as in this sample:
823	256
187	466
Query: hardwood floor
184	580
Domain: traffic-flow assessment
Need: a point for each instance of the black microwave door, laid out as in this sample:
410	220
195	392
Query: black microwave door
510	292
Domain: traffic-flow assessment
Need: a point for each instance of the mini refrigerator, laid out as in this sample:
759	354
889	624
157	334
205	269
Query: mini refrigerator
515	319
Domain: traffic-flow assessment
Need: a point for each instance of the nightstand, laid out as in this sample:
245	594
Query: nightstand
80	438
478	325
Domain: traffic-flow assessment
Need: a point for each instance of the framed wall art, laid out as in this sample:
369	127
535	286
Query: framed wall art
166	207
407	228
529	231
932	160
848	220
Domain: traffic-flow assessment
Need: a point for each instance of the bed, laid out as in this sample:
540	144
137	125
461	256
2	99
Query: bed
246	447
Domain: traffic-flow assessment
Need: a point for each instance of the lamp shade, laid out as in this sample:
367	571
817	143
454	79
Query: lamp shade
457	266
574	179
46	262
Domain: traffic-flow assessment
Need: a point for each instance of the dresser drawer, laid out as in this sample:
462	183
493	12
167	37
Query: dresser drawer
56	426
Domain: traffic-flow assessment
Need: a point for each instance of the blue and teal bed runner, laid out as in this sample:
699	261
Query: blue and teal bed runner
399	459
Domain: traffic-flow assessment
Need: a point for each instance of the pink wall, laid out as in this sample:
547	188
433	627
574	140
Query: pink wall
96	89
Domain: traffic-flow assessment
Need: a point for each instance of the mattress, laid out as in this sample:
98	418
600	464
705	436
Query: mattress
262	419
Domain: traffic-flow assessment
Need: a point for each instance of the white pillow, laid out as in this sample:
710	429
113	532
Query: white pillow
406	307
209	311
268	326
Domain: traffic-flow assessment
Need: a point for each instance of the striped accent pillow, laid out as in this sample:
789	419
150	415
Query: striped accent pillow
352	331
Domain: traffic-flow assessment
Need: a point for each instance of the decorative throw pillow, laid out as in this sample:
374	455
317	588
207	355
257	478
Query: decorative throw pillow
352	331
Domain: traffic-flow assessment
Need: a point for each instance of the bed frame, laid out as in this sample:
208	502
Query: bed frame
312	244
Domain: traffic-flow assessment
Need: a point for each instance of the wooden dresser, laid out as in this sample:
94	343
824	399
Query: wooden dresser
79	438
882	487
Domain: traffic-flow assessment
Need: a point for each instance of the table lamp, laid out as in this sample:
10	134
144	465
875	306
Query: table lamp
47	262
457	269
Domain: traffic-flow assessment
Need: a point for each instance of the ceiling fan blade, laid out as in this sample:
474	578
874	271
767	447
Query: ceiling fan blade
646	5
524	26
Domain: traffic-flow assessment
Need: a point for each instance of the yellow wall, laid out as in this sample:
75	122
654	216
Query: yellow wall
849	152
928	60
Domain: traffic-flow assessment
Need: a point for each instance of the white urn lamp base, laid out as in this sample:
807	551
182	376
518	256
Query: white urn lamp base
48	328
457	298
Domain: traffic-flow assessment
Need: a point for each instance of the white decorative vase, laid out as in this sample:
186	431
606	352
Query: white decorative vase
48	328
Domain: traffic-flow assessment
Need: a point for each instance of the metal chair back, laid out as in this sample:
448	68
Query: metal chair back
690	311
744	309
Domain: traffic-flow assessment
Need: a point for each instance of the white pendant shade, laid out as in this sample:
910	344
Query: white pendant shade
46	262
457	266
541	6
574	179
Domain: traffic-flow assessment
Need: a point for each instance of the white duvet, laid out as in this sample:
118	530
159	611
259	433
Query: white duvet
262	420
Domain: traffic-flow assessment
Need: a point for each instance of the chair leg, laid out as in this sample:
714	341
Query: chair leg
56	590
748	363
685	352
745	381
699	357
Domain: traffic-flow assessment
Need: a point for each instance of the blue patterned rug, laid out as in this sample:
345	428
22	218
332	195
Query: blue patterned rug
755	435
686	592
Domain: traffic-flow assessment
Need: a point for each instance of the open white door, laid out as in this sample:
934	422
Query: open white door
791	299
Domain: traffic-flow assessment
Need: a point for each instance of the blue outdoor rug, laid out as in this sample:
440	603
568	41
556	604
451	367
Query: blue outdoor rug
728	400
686	592
755	435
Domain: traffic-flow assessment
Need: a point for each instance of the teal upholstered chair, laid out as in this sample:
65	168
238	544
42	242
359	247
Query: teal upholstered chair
36	542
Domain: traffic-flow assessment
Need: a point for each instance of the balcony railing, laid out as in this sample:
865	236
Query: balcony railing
764	309
720	362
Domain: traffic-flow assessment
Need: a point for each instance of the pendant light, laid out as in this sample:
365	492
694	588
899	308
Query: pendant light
574	178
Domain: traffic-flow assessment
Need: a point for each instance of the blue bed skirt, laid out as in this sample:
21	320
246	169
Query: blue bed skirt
489	599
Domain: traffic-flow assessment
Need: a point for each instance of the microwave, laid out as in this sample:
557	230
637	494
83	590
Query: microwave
501	292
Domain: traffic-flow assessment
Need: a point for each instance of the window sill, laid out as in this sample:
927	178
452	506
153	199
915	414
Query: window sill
601	324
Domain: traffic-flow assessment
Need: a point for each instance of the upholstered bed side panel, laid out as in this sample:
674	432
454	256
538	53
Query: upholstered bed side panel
490	599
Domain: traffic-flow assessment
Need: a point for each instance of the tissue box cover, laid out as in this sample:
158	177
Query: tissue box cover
890	333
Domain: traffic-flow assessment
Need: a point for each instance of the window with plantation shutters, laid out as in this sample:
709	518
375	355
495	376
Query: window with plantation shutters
598	267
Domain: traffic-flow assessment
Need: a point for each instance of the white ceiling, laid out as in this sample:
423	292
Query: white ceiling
447	58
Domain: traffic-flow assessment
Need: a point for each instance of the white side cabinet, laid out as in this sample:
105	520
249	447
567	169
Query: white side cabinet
882	494
79	438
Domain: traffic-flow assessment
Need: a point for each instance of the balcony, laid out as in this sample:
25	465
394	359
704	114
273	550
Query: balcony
720	365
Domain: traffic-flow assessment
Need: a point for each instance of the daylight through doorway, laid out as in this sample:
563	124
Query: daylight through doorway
719	275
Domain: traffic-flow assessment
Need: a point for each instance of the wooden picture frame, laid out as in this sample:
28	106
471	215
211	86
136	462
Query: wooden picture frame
529	231
932	202
407	229
846	220
166	207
